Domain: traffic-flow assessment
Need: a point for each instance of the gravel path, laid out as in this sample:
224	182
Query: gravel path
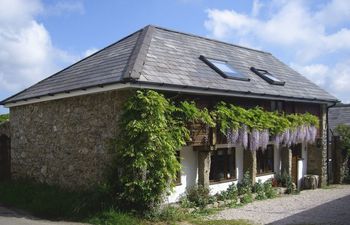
321	206
12	217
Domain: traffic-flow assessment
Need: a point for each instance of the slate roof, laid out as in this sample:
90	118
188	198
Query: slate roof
339	114
158	56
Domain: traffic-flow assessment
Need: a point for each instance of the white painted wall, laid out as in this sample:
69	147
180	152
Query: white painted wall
264	178
302	165
189	177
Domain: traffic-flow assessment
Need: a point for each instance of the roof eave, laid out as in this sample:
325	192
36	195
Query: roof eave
161	87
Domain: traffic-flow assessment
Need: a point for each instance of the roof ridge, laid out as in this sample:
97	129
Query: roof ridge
58	72
136	60
209	39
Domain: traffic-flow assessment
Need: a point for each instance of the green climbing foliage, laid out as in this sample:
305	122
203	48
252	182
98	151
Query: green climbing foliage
152	129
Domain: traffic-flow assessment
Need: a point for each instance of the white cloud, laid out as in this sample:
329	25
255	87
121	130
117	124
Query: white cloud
90	51
314	38
27	54
62	7
257	5
334	12
291	24
318	73
334	79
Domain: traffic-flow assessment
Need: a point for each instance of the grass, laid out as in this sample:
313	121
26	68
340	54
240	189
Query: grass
95	207
51	202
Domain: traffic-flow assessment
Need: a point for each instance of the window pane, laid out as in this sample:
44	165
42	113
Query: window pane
223	68
223	165
264	160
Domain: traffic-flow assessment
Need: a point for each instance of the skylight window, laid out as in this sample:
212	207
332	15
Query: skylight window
267	76
223	68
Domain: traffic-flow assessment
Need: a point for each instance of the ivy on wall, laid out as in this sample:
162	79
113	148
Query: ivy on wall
152	129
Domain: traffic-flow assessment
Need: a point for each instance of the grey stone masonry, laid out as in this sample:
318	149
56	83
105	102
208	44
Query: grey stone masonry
65	141
317	153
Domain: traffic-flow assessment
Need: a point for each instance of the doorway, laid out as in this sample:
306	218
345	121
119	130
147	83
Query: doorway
296	155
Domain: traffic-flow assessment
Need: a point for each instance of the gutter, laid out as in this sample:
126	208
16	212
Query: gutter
327	122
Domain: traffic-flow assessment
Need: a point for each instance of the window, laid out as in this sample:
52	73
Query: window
267	76
223	68
264	160
277	106
178	175
223	165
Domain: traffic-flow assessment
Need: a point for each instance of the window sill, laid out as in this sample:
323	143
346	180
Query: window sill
265	174
222	181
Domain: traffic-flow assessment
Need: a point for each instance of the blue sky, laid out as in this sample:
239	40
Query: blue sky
38	38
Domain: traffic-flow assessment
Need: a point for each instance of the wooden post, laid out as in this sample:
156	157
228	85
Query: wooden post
203	165
249	163
286	160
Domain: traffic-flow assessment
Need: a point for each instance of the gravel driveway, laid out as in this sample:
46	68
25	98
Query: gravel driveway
12	217
321	206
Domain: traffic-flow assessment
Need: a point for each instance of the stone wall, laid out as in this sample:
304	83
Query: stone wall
317	153
65	141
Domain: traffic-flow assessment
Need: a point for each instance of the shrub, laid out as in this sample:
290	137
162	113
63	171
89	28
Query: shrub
283	179
259	189
168	213
113	217
245	186
232	191
247	198
199	196
270	192
185	203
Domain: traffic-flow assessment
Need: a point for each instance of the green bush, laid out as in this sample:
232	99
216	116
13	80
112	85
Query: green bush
245	186
4	117
259	189
247	198
199	196
232	191
270	192
168	213
114	217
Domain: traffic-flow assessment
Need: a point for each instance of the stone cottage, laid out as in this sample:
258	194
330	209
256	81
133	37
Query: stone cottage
61	126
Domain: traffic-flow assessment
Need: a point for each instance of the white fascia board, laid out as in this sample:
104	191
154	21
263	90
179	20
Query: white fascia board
92	90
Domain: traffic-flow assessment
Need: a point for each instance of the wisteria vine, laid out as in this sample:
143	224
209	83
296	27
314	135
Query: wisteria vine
237	123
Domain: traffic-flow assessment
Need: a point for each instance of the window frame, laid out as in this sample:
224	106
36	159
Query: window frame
233	176
264	154
261	73
206	60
